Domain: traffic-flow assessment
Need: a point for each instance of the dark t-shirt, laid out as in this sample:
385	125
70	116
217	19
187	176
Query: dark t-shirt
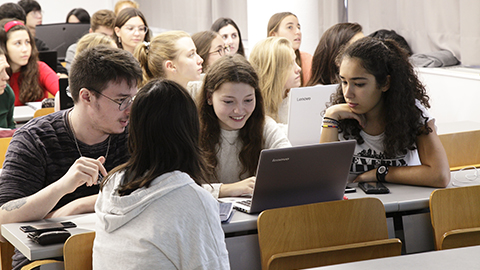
42	151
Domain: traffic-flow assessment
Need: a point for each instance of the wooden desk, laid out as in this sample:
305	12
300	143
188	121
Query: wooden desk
458	258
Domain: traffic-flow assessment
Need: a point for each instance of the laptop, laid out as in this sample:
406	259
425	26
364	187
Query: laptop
49	58
66	100
306	105
298	175
58	36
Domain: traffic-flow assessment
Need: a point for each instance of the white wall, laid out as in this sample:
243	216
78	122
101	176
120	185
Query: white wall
259	12
55	11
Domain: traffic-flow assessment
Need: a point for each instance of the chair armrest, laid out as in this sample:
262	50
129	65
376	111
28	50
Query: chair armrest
461	238
336	254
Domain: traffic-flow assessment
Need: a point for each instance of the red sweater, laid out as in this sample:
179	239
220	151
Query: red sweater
48	81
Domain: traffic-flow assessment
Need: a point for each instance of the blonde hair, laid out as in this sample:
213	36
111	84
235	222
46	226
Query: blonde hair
272	60
128	3
153	55
94	39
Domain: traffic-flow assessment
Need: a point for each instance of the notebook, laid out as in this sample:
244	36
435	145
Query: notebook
299	175
306	105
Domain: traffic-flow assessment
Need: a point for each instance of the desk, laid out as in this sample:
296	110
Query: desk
458	258
241	236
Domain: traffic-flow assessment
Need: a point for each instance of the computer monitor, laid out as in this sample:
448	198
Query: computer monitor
59	36
49	58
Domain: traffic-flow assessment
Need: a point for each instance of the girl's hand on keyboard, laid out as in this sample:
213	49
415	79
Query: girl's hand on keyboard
241	188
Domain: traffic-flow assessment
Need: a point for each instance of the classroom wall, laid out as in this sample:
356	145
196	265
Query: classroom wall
428	25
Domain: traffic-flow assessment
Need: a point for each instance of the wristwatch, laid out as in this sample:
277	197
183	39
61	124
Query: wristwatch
381	173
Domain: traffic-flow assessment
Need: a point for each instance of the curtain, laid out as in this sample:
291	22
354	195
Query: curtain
427	25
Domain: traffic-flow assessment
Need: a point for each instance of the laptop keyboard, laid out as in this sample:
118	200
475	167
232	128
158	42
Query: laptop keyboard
245	202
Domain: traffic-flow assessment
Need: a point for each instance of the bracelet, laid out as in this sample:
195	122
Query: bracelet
329	126
335	121
331	122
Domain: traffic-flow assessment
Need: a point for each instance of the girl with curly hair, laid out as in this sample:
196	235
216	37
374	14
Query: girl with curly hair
233	126
382	105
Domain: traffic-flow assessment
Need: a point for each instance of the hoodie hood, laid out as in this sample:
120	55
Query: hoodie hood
114	211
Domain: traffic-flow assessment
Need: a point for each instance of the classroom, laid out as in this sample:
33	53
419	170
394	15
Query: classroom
221	134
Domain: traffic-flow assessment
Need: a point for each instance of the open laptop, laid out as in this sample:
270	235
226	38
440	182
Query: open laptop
58	36
66	100
299	175
49	58
305	113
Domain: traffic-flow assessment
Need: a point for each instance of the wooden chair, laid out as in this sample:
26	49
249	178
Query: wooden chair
77	251
43	111
4	142
462	148
324	233
6	251
77	254
455	215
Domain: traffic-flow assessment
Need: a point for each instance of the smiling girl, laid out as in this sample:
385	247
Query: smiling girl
131	29
274	62
381	104
234	128
30	79
285	24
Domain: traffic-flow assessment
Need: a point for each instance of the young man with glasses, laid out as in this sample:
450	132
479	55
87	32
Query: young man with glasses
53	163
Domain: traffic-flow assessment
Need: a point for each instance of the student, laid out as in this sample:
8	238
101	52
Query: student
78	15
53	162
391	34
230	33
103	22
381	104
324	68
124	4
131	29
234	128
285	24
7	97
171	55
274	60
210	47
159	190
33	17
31	80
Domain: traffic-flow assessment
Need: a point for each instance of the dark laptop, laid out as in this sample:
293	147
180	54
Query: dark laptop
49	58
299	175
65	97
58	36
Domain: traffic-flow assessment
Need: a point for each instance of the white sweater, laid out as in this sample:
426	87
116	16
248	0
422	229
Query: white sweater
229	165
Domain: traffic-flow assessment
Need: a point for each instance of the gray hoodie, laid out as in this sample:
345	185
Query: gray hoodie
172	224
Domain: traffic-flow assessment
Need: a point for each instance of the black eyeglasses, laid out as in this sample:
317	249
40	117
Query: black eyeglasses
123	104
221	51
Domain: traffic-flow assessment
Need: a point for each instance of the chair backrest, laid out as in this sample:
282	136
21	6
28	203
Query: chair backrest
462	148
6	251
455	215
333	232
4	142
77	251
43	111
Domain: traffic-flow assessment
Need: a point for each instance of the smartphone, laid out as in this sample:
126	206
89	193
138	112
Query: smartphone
373	187
44	227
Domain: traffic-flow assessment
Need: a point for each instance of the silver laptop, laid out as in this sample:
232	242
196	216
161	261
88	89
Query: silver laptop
305	113
299	175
